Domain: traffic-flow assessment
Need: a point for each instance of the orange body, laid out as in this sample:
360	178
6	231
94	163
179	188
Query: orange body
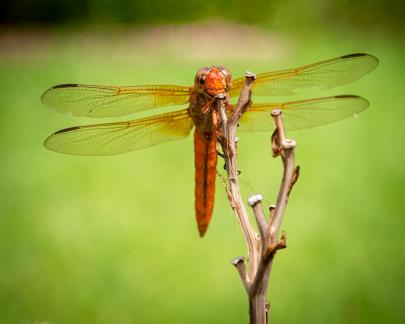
205	152
208	83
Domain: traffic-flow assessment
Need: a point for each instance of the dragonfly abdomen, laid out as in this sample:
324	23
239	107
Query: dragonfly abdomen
205	150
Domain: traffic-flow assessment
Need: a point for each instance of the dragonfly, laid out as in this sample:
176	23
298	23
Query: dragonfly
199	113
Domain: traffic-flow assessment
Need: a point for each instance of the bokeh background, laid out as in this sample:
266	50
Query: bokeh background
113	239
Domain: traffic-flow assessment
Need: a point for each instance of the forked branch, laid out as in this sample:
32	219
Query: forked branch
261	246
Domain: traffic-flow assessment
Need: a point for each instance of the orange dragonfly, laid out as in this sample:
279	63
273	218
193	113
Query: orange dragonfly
120	137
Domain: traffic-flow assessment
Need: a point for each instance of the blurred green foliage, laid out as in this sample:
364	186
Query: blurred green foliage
362	15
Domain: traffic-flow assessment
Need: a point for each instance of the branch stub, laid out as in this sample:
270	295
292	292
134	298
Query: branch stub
236	260
288	144
254	199
249	74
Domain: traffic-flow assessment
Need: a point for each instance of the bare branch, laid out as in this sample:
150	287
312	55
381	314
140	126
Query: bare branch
261	249
227	140
244	99
287	147
272	248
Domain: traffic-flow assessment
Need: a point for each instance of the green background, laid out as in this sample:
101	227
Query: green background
114	240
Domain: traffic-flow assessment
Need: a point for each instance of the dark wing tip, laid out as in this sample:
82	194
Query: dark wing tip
347	96
353	55
66	130
48	141
65	85
359	98
59	86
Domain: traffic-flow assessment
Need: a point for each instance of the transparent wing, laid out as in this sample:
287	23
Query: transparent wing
322	75
115	138
303	113
110	101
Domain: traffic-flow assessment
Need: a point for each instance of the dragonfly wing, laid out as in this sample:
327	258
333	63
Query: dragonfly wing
322	75
303	113
109	101
115	138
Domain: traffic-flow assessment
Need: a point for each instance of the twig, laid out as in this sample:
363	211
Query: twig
286	148
239	264
254	202
227	139
261	248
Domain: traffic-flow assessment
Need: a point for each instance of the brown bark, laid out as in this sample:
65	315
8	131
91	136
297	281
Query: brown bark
261	246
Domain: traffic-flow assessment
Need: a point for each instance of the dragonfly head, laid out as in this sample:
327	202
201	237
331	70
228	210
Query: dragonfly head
213	80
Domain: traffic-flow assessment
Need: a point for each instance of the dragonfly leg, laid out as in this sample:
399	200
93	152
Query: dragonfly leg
206	108
228	106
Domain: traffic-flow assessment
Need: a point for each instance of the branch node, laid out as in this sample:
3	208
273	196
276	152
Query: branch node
282	243
254	199
276	149
236	260
294	178
220	96
296	175
250	75
272	208
272	248
288	144
276	112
